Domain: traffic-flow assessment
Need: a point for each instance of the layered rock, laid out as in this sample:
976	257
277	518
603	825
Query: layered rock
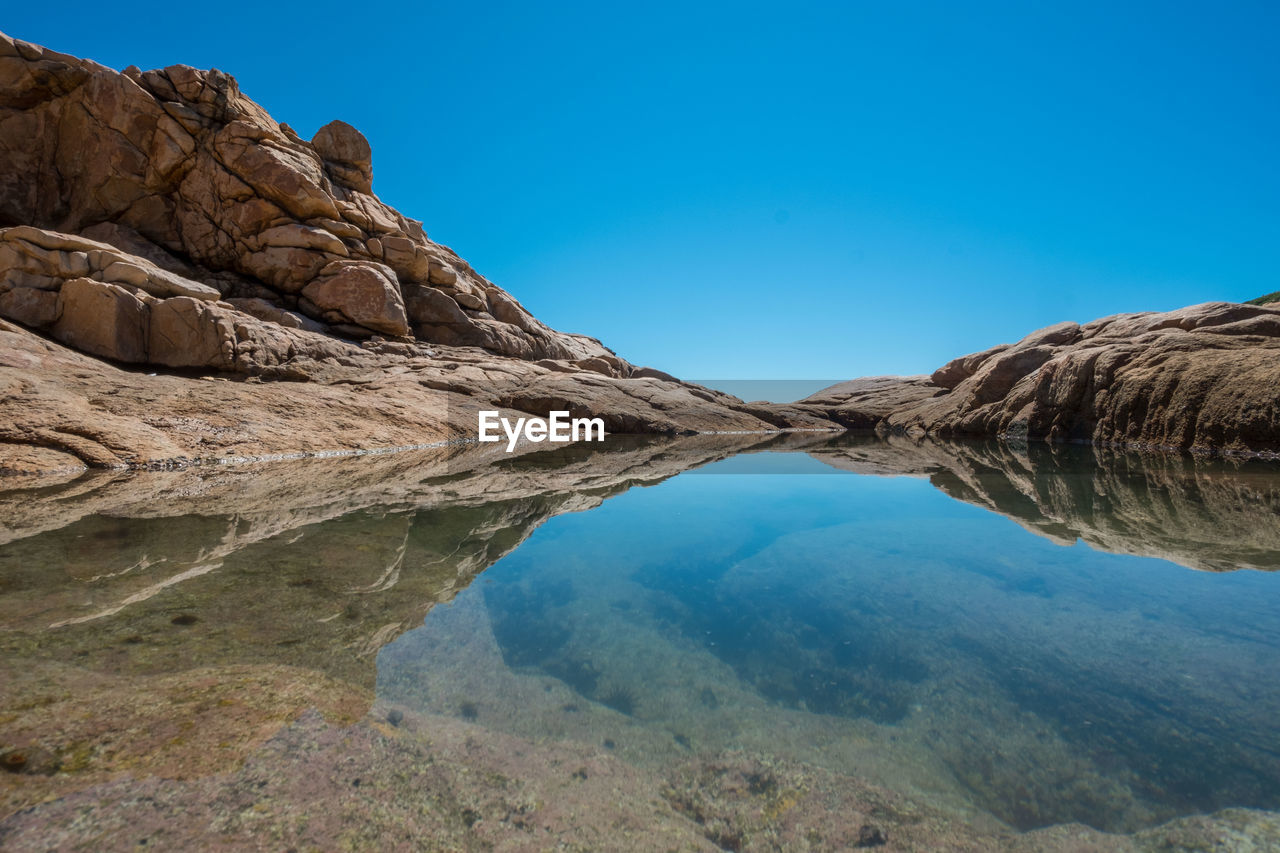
162	220
1202	378
178	167
63	411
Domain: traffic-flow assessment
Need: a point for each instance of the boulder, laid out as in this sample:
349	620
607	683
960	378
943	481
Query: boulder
364	292
102	319
428	305
347	153
30	306
186	332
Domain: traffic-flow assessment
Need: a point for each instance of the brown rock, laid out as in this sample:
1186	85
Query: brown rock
348	153
299	236
264	310
188	333
652	373
596	365
177	163
102	319
507	310
1201	378
865	403
428	305
156	281
467	300
442	273
30	306
362	291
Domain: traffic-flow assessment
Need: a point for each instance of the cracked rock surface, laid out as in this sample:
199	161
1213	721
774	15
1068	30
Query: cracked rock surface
182	278
189	280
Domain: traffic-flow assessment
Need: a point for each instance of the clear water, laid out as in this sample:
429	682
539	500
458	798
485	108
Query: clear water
929	619
873	626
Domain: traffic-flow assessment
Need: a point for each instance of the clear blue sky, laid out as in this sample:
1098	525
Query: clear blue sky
788	190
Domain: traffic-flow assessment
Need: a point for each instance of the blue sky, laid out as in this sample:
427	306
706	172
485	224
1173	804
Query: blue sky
790	190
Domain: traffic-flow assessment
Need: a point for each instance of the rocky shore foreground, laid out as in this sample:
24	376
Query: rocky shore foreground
184	279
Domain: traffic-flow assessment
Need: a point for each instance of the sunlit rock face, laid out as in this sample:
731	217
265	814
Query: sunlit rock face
162	220
1199	378
198	192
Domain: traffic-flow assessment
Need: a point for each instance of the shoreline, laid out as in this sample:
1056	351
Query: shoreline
9	477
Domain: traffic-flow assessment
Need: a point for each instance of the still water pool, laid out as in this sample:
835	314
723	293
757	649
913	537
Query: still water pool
738	643
869	625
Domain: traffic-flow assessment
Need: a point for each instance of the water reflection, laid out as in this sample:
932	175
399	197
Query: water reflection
869	626
826	619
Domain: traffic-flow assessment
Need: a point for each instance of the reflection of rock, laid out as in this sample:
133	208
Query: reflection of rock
210	606
315	564
1210	514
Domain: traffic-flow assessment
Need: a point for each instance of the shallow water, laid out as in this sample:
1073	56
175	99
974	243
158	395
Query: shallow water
823	617
928	619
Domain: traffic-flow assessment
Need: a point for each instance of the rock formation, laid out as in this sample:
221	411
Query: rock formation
163	220
1201	378
189	280
171	183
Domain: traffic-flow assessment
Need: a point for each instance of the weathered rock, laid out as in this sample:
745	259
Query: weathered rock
264	310
596	365
364	292
177	168
865	403
342	397
1200	378
348	154
30	306
102	319
469	300
187	333
652	373
426	305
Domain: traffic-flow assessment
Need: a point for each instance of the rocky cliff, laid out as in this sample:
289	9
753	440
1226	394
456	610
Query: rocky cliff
171	184
189	280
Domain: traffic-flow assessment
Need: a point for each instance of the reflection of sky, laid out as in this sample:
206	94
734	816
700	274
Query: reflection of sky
890	596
